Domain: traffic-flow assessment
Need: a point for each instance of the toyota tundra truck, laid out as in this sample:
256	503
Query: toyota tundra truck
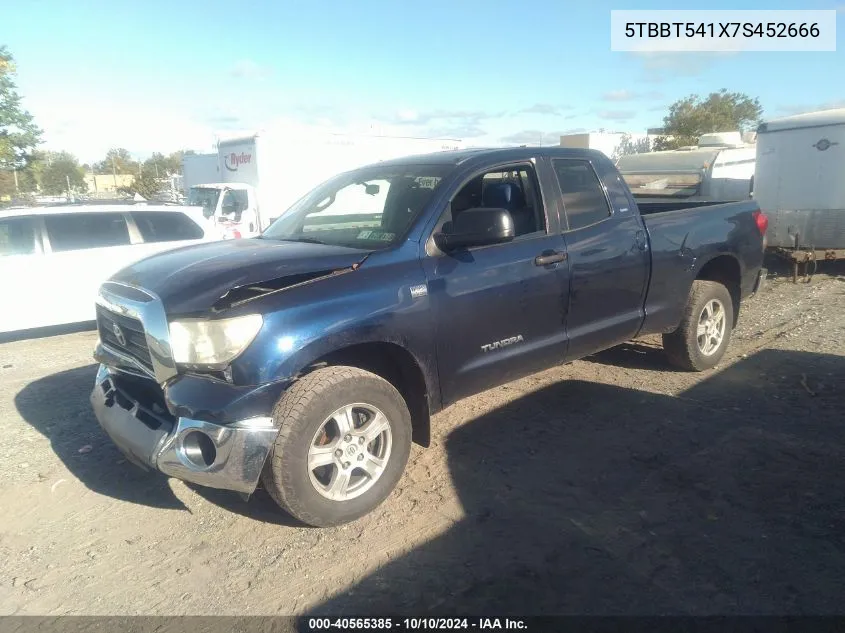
309	359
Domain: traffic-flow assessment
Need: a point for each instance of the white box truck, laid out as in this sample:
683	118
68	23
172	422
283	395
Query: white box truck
262	175
199	168
800	182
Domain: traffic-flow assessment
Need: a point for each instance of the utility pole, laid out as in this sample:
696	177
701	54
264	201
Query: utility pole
67	180
114	173
17	189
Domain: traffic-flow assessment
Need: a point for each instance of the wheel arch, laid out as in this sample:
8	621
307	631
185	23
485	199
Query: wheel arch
395	364
726	270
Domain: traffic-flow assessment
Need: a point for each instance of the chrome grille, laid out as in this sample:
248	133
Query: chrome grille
124	334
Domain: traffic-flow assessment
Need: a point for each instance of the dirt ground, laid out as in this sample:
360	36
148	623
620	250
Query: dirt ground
611	485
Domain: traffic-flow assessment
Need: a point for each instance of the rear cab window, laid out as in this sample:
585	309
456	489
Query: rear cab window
18	236
159	226
82	231
582	194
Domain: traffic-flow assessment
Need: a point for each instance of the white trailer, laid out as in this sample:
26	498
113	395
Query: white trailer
800	183
262	175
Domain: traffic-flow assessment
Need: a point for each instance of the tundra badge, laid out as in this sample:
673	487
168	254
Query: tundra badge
419	291
503	343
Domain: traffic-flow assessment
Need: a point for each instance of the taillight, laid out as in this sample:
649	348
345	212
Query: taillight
762	221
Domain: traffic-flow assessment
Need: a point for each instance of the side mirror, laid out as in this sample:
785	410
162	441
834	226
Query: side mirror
477	227
372	190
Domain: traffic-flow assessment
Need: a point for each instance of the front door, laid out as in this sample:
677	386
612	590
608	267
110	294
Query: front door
500	309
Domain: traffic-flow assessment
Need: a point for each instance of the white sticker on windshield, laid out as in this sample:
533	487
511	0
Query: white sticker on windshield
377	236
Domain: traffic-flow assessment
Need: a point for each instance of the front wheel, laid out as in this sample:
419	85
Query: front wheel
705	330
344	441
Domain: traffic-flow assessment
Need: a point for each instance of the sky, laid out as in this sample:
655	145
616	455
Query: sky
163	75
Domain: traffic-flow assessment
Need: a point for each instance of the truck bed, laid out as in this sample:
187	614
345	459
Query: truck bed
650	206
685	233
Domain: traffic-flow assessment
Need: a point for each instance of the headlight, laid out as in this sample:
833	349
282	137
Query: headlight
203	342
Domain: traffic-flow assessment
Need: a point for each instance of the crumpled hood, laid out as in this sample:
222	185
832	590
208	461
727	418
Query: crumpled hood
192	279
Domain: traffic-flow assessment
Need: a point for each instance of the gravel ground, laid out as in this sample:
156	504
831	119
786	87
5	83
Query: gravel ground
611	485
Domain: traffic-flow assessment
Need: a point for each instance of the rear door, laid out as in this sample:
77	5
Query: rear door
157	231
21	272
608	255
82	250
499	310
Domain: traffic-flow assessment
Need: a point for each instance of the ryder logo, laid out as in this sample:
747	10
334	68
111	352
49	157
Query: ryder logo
234	160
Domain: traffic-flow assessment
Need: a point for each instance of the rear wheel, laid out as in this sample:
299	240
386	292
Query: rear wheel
344	441
705	330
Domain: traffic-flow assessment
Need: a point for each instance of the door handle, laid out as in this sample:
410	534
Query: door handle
550	258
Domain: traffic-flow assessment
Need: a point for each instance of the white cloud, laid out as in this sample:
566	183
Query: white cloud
619	95
812	107
659	67
629	95
617	115
544	108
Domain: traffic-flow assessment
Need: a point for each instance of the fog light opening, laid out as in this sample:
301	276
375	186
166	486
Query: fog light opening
198	449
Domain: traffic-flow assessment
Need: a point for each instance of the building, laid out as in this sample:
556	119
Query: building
108	183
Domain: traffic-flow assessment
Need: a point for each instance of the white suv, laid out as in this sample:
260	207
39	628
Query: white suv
53	259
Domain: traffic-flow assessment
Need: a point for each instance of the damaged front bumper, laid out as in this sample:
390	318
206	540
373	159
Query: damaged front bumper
228	456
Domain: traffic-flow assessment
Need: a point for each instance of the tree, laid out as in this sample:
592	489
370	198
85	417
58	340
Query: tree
145	184
629	146
164	166
61	169
721	111
18	133
119	161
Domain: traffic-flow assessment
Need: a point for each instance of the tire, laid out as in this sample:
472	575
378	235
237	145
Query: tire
304	415
683	347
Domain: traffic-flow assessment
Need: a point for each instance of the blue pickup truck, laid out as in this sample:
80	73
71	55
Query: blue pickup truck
310	358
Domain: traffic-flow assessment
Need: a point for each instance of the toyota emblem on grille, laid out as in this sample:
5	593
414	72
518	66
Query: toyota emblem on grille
118	334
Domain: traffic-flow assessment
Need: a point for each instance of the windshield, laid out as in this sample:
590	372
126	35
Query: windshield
370	208
204	197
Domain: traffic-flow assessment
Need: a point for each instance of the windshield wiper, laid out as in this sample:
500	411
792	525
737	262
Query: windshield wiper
303	240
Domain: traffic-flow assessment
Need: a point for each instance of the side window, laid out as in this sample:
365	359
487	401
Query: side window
235	202
514	189
17	236
166	226
583	196
78	231
617	191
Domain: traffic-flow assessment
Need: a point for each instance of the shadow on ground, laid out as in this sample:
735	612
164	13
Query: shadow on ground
584	498
260	506
634	355
43	332
57	407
